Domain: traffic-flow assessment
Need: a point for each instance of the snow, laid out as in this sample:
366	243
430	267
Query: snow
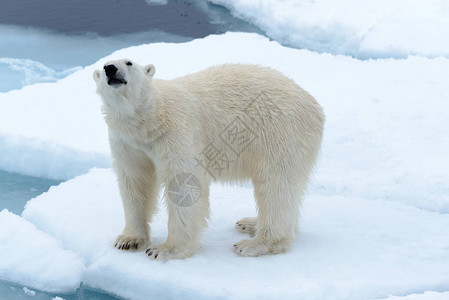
374	223
348	247
29	292
35	259
35	71
423	296
55	161
363	29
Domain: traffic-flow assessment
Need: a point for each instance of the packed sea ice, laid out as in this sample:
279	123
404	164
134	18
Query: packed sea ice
374	223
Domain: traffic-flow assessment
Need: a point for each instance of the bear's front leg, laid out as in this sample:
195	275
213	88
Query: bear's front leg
188	211
138	186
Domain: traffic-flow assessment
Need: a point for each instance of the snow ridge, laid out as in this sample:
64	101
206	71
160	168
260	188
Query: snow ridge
362	29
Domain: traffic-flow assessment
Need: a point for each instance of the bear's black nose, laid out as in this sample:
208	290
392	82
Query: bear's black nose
110	70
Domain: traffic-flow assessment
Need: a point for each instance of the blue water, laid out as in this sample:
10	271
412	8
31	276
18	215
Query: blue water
16	190
45	40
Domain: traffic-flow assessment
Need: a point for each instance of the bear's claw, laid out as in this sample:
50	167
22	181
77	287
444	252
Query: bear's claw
165	252
130	243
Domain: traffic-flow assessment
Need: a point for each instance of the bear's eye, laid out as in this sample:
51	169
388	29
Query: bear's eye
129	63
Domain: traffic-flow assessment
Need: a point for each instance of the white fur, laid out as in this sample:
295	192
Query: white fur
159	128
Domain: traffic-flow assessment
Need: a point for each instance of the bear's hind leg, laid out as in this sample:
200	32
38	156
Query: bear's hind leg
278	201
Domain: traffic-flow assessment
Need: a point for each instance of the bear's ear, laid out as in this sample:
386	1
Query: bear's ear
150	70
96	75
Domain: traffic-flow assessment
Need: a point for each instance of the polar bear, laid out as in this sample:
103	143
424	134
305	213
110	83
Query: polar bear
228	123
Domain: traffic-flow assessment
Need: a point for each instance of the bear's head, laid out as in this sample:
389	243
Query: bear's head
122	79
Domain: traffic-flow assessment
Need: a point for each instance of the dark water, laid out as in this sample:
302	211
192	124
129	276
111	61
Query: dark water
193	19
42	40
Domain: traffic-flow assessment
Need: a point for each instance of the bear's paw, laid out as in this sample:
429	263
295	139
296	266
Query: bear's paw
254	247
165	251
130	243
247	225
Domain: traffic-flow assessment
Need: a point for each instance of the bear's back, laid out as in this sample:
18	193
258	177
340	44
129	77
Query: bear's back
249	110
